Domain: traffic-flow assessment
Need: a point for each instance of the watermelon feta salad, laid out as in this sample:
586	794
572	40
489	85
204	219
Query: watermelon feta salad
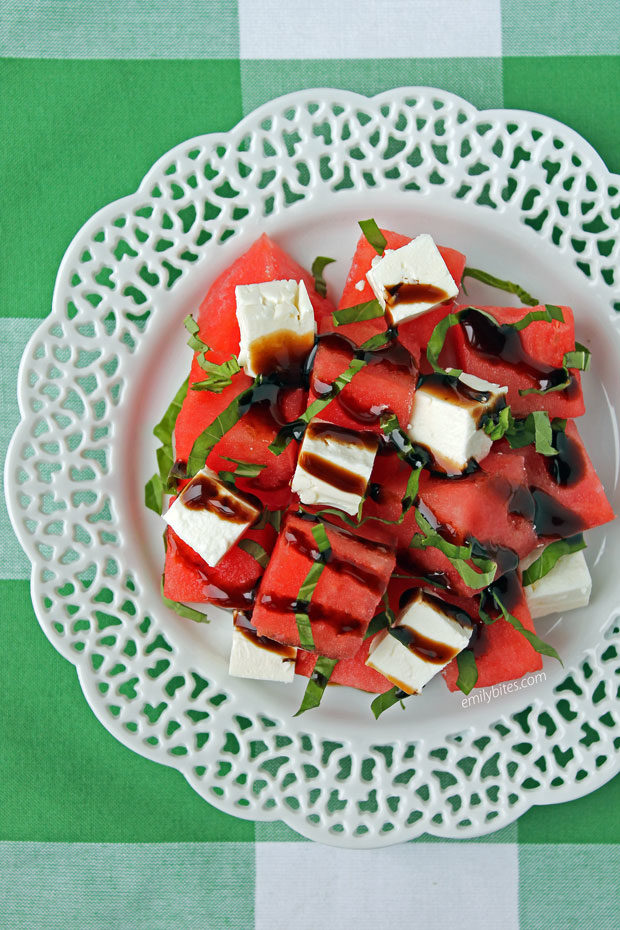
381	491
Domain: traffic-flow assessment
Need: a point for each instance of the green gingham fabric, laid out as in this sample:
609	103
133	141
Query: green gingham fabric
92	93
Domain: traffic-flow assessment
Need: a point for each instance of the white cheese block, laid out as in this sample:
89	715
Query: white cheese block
273	307
334	466
568	585
427	622
250	659
445	418
418	262
217	519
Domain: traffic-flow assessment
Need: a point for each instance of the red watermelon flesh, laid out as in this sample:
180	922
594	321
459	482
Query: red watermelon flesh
352	295
584	495
386	384
352	672
231	583
345	596
545	344
250	437
502	653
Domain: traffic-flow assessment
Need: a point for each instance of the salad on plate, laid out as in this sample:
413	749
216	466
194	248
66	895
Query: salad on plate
382	491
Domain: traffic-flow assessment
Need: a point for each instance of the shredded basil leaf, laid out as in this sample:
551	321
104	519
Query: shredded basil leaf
373	235
153	494
194	341
160	483
383	620
550	556
459	556
535	428
182	609
499	424
255	550
539	644
321	673
306	640
370	310
468	671
220	376
380	341
286	434
245	469
580	358
318	267
383	701
485	278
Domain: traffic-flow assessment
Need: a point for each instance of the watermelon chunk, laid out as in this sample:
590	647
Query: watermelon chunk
231	583
385	385
345	596
502	653
410	334
250	437
543	345
352	672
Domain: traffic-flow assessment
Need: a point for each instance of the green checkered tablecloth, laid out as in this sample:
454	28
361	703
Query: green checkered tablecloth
93	92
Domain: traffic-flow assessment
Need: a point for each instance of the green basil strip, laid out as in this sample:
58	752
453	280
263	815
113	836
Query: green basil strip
194	341
318	267
204	443
499	424
468	671
323	668
579	359
373	235
485	278
459	556
153	494
536	428
438	336
165	428
182	609
285	435
245	469
550	556
380	341
388	699
269	518
220	376
383	620
370	310
306	640
535	641
255	550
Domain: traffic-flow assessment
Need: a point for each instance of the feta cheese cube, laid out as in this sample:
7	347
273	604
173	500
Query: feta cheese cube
254	656
209	516
410	280
446	418
277	326
427	635
568	585
334	466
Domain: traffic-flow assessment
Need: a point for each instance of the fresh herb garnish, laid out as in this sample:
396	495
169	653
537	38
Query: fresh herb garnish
383	620
287	433
373	235
321	673
485	278
379	341
160	484
580	358
468	671
245	469
255	550
459	556
302	619
220	376
370	310
536	428
388	699
535	641
550	555
438	336
318	267
269	518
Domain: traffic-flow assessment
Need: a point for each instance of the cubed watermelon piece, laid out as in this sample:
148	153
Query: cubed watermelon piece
231	583
344	600
580	496
385	385
250	437
352	672
354	294
544	344
502	653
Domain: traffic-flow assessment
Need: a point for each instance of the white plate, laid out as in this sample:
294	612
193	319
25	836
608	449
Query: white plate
525	198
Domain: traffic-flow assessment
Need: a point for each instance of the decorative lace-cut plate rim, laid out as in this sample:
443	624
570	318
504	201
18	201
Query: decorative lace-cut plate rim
524	197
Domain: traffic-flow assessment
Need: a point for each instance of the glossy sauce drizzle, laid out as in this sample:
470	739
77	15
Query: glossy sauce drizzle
245	626
206	493
325	470
284	350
